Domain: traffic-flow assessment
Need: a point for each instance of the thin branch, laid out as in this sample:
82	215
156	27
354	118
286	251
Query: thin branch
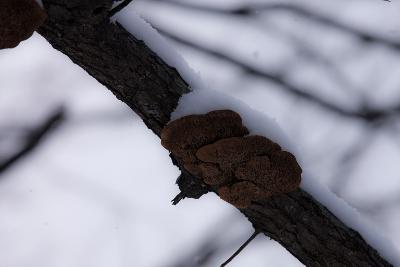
118	8
251	238
35	137
178	198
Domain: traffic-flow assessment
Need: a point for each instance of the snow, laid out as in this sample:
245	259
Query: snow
352	218
203	100
142	30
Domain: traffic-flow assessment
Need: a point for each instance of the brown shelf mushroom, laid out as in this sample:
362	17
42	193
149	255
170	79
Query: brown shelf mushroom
215	148
18	20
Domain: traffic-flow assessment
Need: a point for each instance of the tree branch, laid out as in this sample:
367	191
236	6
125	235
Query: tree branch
152	89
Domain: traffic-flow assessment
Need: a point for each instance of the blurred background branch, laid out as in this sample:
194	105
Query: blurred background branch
32	139
251	10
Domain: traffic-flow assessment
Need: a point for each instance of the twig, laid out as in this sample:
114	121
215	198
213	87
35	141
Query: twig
118	8
178	198
241	248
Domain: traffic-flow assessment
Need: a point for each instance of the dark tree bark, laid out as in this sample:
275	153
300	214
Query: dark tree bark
137	76
126	66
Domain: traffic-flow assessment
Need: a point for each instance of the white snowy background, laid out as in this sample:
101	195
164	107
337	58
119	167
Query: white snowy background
97	190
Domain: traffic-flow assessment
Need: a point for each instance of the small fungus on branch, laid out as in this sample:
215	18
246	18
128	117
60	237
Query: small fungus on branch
18	20
216	148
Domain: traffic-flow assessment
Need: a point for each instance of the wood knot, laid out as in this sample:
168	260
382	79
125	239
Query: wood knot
18	20
215	147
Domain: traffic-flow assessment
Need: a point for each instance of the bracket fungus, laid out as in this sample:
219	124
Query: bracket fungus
18	20
216	148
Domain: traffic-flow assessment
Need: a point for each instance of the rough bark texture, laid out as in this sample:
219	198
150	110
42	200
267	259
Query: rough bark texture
311	232
115	58
138	77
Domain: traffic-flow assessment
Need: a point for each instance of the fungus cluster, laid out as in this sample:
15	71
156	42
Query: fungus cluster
243	168
18	20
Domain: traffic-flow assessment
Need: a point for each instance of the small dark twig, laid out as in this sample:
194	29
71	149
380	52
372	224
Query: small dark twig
256	232
118	8
178	198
